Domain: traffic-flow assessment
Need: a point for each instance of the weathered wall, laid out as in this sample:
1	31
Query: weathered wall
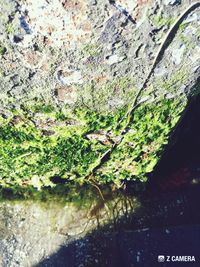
90	52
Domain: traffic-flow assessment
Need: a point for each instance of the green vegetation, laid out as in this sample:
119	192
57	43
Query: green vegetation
31	158
28	157
140	150
160	20
187	41
43	108
171	85
80	196
92	50
9	28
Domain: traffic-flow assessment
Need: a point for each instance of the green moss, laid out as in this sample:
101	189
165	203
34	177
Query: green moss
187	41
9	28
43	108
91	50
60	116
160	20
29	158
140	150
170	84
95	121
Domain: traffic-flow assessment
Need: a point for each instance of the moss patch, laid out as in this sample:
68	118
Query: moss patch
28	157
31	157
161	20
141	148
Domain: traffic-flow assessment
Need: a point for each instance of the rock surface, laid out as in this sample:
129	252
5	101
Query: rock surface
57	49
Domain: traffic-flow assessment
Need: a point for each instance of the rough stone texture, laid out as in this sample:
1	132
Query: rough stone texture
92	52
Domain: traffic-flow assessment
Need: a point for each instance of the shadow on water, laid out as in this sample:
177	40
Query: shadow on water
167	222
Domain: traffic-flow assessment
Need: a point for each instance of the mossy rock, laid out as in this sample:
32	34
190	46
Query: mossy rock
30	156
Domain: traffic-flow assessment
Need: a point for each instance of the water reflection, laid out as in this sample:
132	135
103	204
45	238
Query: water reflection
34	229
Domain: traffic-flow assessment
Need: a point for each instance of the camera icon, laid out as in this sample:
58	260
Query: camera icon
161	258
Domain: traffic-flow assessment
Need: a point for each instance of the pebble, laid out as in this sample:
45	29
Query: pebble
114	59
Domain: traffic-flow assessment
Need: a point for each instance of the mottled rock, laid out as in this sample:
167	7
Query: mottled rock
177	54
66	94
73	44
